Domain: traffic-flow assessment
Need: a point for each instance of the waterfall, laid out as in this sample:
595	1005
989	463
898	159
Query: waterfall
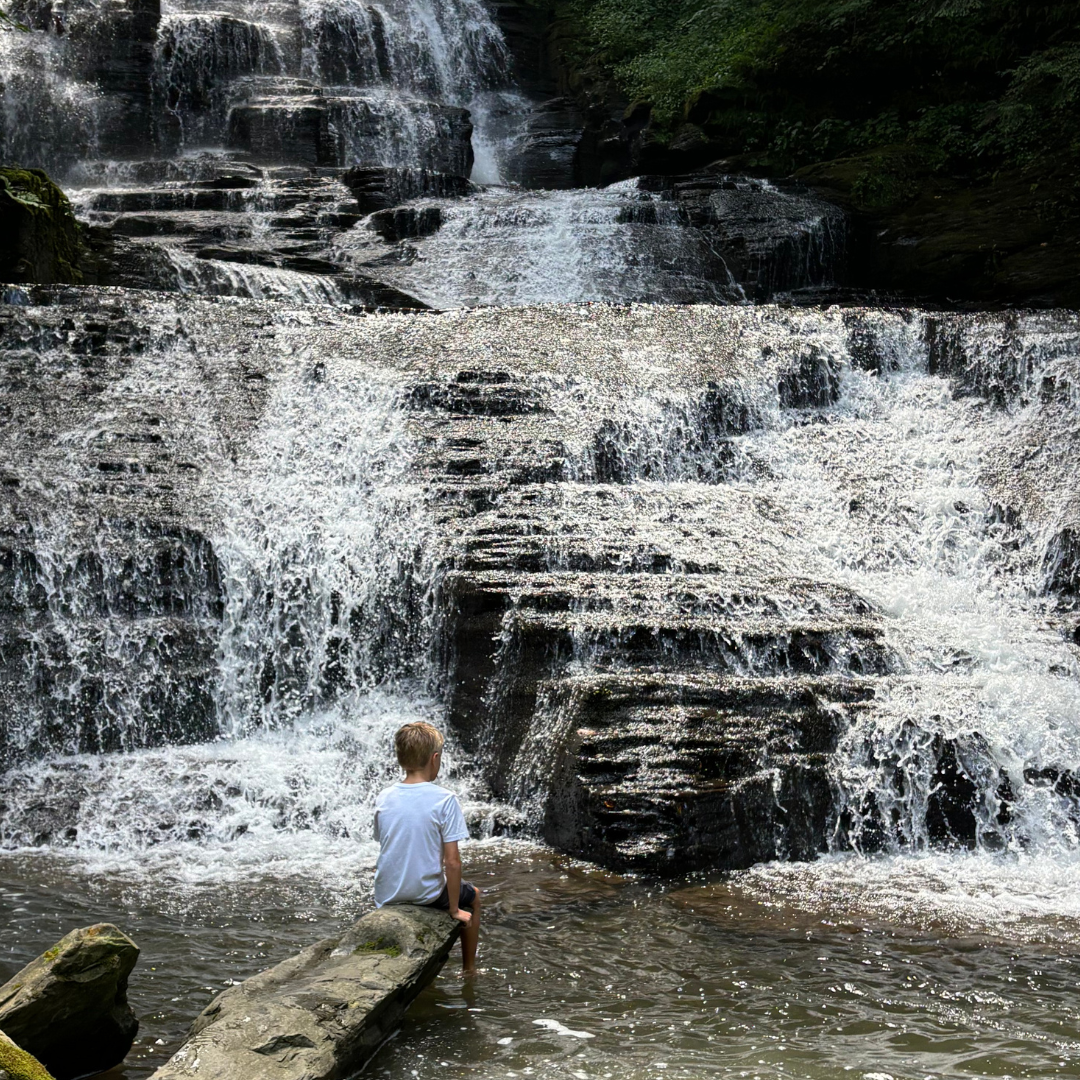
695	582
326	552
310	603
198	56
506	247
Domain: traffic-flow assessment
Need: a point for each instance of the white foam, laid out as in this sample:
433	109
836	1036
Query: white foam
559	1028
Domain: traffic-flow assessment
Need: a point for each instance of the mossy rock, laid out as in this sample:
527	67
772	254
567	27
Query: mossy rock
39	236
380	945
69	1007
17	1064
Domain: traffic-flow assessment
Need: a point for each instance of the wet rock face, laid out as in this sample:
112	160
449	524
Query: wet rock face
96	618
574	538
69	1008
545	152
676	773
572	568
380	188
774	237
39	237
319	1015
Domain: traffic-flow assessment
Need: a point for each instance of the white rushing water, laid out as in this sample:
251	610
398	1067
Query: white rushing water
329	557
327	553
510	247
887	491
324	545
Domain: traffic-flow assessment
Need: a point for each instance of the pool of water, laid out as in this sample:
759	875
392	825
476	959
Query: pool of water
941	966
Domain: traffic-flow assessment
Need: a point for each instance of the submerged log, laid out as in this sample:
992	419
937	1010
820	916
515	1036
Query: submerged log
69	1008
321	1014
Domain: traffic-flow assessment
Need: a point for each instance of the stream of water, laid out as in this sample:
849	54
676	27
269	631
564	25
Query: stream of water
761	975
227	564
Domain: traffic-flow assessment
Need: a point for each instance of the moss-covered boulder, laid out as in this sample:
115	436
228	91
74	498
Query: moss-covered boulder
17	1064
39	236
69	1007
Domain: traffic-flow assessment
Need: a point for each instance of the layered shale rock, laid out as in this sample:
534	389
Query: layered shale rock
321	1014
775	237
564	534
69	1008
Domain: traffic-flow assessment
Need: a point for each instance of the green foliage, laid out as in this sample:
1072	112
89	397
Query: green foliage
972	82
1040	107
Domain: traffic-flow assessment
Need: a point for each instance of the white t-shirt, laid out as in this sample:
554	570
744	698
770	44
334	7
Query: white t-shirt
412	822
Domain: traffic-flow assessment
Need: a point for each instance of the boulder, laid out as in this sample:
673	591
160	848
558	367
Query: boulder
17	1064
321	1014
40	237
69	1007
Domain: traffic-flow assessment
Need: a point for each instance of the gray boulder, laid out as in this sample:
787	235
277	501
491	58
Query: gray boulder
69	1008
321	1014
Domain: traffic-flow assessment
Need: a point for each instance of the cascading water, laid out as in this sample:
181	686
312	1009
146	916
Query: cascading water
508	247
318	589
680	513
691	588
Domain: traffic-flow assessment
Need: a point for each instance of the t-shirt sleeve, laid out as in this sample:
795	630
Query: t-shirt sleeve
375	825
452	824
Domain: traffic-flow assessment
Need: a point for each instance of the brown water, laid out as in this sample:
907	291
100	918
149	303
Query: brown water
783	972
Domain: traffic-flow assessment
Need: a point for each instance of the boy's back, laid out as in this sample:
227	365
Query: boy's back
412	822
418	825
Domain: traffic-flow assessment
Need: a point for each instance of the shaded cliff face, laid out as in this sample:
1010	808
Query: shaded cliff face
947	131
696	586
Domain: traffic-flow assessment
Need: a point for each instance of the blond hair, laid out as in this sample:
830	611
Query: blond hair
415	743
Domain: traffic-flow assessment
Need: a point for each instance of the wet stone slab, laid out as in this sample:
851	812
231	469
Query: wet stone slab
321	1014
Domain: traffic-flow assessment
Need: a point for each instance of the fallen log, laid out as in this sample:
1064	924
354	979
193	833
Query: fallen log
321	1014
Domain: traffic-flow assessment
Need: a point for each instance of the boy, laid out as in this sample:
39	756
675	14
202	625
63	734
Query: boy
418	825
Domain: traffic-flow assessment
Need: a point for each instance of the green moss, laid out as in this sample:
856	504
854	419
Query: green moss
790	82
35	210
380	945
51	954
20	1065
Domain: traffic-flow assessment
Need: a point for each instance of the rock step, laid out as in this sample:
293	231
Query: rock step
732	646
222	199
635	594
723	772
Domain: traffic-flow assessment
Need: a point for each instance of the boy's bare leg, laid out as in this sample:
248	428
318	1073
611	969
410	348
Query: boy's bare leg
470	937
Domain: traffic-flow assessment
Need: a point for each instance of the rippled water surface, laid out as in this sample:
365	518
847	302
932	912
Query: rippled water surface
800	971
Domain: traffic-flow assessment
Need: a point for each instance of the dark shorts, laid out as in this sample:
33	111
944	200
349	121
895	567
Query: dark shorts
466	900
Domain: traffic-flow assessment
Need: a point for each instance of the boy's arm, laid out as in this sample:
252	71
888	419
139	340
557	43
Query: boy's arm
452	862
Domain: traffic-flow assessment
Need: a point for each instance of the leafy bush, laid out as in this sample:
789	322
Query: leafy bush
972	81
